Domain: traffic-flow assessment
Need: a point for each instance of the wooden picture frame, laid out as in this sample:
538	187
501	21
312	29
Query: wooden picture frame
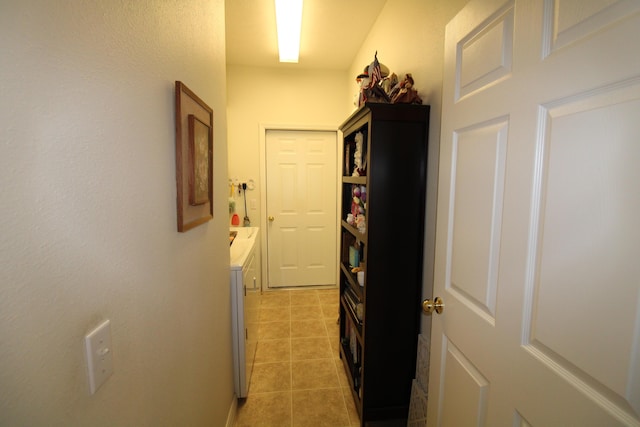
194	159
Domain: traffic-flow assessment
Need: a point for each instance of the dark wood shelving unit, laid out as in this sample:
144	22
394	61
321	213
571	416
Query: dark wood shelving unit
378	344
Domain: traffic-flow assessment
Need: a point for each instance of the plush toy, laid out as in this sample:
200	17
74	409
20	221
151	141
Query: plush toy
404	93
389	82
358	200
359	169
361	224
363	82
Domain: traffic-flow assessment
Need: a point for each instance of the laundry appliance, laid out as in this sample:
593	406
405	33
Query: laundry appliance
245	300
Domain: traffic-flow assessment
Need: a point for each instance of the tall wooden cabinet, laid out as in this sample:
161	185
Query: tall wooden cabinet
382	230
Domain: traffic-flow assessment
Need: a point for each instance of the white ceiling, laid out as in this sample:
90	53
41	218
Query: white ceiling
332	32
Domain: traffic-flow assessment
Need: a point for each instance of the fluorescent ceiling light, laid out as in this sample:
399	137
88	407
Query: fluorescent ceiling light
289	24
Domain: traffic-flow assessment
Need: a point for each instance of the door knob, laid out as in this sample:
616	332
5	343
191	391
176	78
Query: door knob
429	306
271	219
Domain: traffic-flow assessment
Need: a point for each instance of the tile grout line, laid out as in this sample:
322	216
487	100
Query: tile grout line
290	360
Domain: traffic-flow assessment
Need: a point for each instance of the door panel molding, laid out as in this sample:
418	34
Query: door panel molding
569	21
611	368
466	391
484	55
477	190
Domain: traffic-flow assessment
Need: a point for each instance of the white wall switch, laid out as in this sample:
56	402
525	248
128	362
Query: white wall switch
99	355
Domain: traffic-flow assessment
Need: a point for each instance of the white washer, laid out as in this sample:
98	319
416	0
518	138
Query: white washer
245	299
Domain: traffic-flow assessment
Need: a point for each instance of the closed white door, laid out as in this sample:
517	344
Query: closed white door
301	207
538	223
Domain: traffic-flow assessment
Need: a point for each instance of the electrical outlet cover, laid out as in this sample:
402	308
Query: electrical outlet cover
99	355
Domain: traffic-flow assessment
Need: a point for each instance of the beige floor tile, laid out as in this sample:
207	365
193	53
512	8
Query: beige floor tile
332	327
304	291
330	311
319	408
298	349
328	296
274	314
304	298
306	312
270	377
274	330
308	328
354	418
276	299
310	348
313	374
334	341
265	410
342	373
273	351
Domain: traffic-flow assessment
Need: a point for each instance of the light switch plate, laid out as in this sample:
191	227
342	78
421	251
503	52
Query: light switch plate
99	355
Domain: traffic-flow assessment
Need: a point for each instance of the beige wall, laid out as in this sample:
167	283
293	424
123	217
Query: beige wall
258	97
88	215
409	38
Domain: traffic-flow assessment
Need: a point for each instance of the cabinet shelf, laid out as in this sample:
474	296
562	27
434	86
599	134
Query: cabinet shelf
353	281
354	231
378	348
354	318
345	355
358	180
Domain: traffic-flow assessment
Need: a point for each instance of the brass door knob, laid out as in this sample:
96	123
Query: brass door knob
429	306
271	219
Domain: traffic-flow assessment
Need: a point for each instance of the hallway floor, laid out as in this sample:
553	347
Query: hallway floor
298	379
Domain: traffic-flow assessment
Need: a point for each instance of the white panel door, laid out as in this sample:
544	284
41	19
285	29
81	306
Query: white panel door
538	221
301	207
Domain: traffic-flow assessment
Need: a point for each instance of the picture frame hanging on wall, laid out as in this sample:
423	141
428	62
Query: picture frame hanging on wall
194	159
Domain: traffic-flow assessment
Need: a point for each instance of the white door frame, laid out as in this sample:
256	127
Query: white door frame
264	127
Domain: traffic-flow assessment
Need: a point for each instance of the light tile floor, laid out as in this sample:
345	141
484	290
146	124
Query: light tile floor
298	379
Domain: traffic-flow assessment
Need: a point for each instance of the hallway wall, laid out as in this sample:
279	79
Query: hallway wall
409	38
306	99
88	223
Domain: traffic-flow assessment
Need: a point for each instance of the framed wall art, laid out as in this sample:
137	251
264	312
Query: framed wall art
194	159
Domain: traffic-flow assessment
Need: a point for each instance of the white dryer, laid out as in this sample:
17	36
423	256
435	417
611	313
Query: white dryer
245	299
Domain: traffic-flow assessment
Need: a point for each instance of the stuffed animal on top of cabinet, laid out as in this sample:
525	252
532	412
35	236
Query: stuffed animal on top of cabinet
404	93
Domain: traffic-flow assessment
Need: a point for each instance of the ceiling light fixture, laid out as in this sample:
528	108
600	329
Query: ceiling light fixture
289	25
